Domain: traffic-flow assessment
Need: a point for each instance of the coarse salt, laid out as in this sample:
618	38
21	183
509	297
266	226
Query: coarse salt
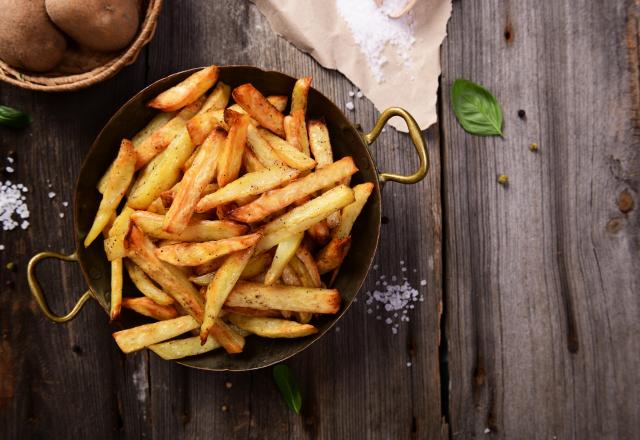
352	94
374	30
349	105
65	204
1	247
51	194
396	299
13	207
9	169
359	94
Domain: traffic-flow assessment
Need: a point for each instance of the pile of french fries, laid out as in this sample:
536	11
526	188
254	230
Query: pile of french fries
225	217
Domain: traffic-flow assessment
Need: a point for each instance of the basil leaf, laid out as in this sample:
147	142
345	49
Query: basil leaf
13	118
476	109
288	387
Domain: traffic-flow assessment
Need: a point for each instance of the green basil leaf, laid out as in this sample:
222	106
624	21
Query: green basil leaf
288	387
13	118
476	109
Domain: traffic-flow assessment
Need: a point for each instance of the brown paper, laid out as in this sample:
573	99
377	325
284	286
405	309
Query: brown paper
318	28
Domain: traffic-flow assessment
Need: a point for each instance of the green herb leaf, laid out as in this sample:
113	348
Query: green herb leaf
288	387
13	118
476	108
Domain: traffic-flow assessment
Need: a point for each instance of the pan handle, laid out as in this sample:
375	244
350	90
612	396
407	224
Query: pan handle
36	291
416	138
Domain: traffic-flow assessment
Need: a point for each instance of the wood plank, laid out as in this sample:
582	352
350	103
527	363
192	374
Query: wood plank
542	276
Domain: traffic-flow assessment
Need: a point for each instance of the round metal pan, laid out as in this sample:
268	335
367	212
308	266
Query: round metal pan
346	139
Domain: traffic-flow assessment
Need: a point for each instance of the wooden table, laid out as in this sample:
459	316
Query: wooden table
530	324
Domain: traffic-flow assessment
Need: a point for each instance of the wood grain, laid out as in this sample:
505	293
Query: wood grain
69	381
542	279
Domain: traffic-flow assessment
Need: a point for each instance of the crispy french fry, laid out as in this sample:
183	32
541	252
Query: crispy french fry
272	327
300	94
319	143
137	338
278	101
157	207
290	277
331	256
218	290
320	232
196	231
207	268
158	121
257	106
117	184
187	91
168	195
114	244
284	252
305	257
217	99
202	124
146	286
262	149
251	163
295	128
230	339
193	184
302	217
161	173
116	289
248	185
230	159
278	199
193	254
350	212
252	312
297	299
286	152
181	348
150	308
256	265
301	272
172	280
109	225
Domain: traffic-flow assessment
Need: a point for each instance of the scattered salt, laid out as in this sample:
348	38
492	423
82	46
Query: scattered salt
51	194
374	30
375	267
351	93
487	431
1	247
12	205
350	105
9	169
384	129
61	215
10	159
404	269
337	329
359	94
65	204
401	262
423	282
408	364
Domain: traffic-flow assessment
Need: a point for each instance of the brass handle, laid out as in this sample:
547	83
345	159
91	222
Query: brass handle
416	138
36	291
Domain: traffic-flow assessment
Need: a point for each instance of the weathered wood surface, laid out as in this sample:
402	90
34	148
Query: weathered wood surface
70	381
542	278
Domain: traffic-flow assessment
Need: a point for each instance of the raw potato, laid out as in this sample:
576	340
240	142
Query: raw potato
29	40
102	25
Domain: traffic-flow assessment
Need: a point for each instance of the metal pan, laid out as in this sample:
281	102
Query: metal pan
346	140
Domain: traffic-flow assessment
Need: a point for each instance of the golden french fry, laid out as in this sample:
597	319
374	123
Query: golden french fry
262	149
297	299
157	122
189	162
147	307
300	94
193	254
257	106
197	230
109	225
248	185
278	199
207	268
172	280
117	184
217	99
116	289
251	163
256	265
114	244
295	128
272	327
301	272
230	159
218	290
202	124
320	232
286	152
320	143
331	256
137	338
290	277
187	91
181	348
162	172
157	207
350	212
278	101
252	312
168	195
303	217
193	184
230	339
146	286
311	268
284	252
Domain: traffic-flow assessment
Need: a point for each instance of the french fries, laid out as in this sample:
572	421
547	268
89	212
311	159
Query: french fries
225	278
278	199
187	91
193	254
117	184
209	188
150	308
272	327
257	106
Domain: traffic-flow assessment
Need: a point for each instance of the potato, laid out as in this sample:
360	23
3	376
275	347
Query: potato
102	25
29	40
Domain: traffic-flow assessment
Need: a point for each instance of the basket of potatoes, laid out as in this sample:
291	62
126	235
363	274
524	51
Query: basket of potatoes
64	45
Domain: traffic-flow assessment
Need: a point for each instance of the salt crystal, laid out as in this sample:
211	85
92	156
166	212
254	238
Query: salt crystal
359	94
487	431
404	269
12	203
61	215
423	282
349	105
394	330
1	247
51	194
394	278
24	225
408	364
388	321
375	267
401	262
65	204
10	159
9	169
351	93
378	317
384	129
337	329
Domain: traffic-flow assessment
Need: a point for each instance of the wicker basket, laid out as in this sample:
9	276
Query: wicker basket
109	65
